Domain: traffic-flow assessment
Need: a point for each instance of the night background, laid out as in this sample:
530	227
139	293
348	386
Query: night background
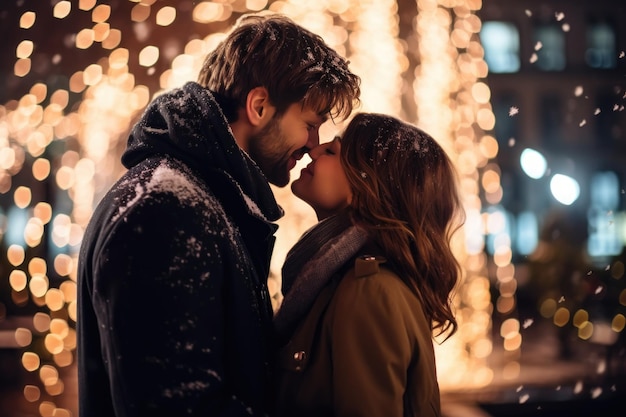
526	96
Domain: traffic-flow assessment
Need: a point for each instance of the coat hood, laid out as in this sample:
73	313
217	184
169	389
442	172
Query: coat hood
188	124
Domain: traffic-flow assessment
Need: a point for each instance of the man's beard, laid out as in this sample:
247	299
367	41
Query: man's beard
266	150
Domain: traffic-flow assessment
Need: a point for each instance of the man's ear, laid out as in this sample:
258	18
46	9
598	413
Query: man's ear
258	107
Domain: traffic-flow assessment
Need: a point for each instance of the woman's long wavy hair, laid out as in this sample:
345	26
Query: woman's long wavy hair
406	196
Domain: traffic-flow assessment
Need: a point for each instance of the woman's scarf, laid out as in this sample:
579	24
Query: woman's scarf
311	263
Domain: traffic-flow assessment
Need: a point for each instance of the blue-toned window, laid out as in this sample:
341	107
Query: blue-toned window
550	114
550	47
604	237
501	43
527	232
601	51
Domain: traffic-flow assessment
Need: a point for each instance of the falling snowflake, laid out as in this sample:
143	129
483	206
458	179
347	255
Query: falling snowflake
622	54
565	27
578	91
597	111
596	392
513	111
582	122
607	267
523	398
578	387
528	12
599	289
561	299
533	58
527	323
518	389
559	16
511	142
538	46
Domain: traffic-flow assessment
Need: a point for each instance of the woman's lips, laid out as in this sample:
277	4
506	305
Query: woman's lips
306	170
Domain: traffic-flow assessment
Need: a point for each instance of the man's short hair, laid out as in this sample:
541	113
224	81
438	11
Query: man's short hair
294	64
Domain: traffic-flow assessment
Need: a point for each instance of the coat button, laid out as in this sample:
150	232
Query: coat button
366	265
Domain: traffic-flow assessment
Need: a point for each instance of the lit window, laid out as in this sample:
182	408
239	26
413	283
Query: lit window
600	51
605	190
527	232
501	43
604	238
551	47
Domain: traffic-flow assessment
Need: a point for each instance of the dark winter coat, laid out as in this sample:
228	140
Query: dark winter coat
174	316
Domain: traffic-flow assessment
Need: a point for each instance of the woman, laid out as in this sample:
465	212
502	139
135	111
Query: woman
366	287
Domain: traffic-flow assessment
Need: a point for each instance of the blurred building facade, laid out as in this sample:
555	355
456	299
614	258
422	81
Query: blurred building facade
556	75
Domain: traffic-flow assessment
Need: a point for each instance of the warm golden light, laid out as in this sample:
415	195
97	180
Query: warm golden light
24	49
48	375
15	255
113	39
38	285
101	13
53	343
22	67
62	9
63	264
54	299
166	16
92	74
205	12
85	38
86	4
41	322
561	317
17	280
140	13
76	82
101	31
618	323
148	56
30	361
23	337
32	393
27	20
431	78
22	197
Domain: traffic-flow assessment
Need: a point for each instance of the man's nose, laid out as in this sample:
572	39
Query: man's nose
313	139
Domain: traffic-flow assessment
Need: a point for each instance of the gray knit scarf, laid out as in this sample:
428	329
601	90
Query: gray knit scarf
311	263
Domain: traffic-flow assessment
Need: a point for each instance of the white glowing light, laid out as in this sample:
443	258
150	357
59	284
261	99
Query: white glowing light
564	189
533	163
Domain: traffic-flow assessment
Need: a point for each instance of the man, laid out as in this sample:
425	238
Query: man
174	312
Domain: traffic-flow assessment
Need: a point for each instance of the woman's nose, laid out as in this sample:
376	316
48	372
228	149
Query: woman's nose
316	151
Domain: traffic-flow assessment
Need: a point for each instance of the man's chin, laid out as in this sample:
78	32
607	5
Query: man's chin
279	180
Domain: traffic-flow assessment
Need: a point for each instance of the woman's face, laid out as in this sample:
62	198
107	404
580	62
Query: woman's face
323	183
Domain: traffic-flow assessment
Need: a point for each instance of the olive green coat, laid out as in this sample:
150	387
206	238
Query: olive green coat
364	349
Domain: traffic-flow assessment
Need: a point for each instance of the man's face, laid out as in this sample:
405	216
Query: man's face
283	141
